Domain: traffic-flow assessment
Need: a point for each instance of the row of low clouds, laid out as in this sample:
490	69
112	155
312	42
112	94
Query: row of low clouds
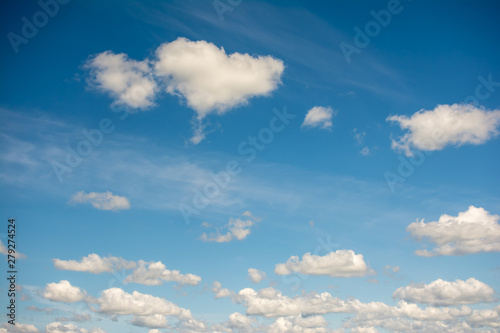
303	312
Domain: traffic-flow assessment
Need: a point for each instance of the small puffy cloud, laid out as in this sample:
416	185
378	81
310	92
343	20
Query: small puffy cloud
237	228
255	275
444	293
154	273
152	321
117	301
365	151
319	116
341	263
63	292
456	124
211	80
102	201
219	291
93	263
58	327
472	231
18	328
5	251
129	82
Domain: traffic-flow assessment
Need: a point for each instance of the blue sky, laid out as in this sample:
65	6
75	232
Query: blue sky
230	136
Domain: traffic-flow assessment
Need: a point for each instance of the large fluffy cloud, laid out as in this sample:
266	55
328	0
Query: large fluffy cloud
444	293
211	80
472	231
93	263
103	201
456	124
130	82
154	273
319	116
117	301
341	263
63	292
237	228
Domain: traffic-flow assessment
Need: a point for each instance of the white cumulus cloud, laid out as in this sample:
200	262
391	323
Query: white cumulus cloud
472	231
319	116
130	82
256	275
63	292
211	80
237	228
154	273
456	124
219	291
117	301
445	293
93	263
103	201
341	263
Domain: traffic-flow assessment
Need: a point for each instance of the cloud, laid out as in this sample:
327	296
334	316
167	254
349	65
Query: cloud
341	263
472	231
237	228
312	324
270	302
18	328
63	292
219	291
117	301
487	317
154	273
208	79
101	201
129	82
152	321
58	327
211	80
255	275
456	124
5	251
444	293
319	116
93	263
365	151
